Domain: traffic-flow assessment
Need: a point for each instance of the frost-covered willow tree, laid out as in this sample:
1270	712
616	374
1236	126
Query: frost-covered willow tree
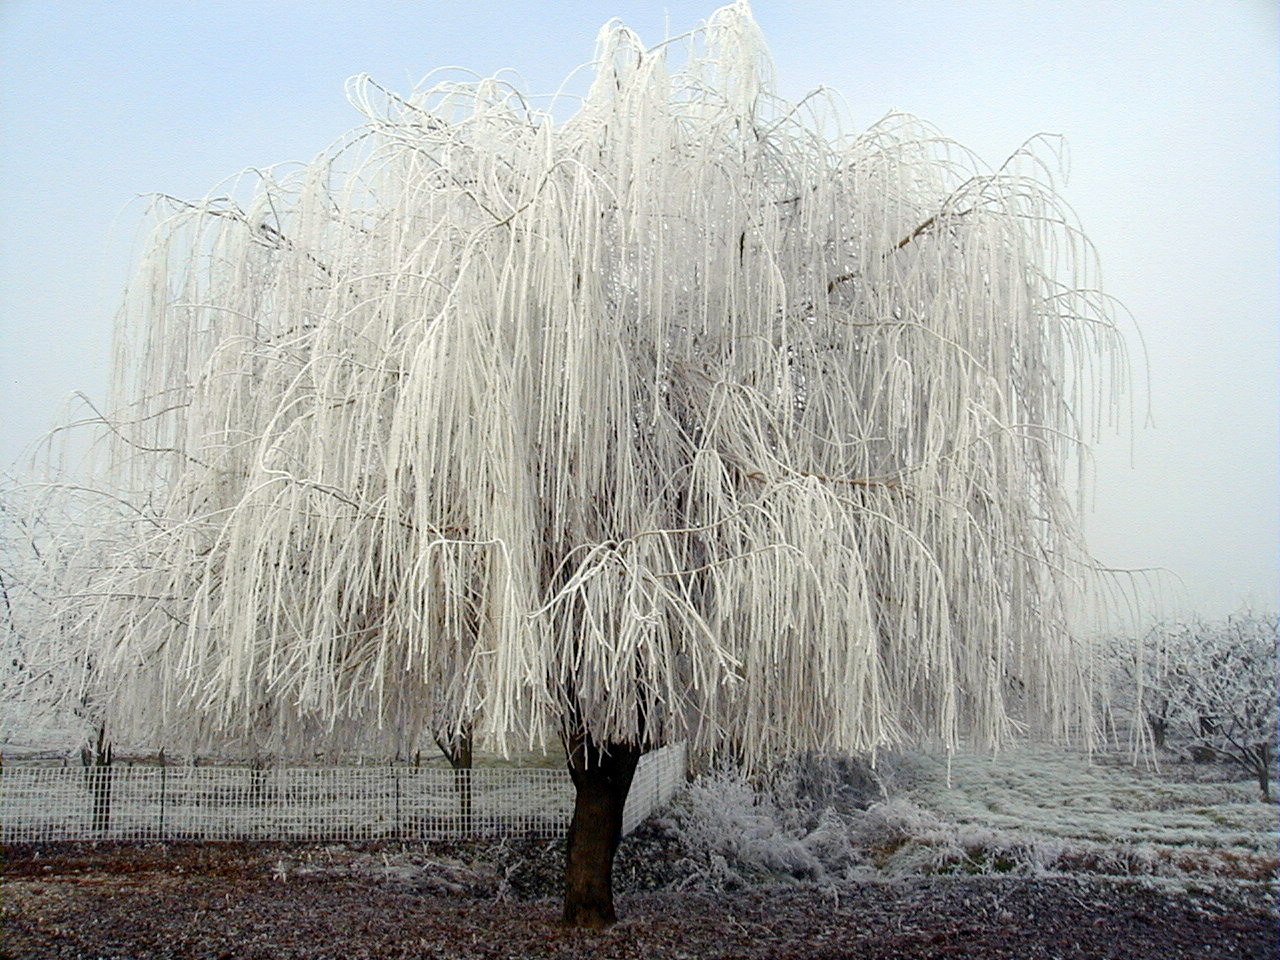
685	417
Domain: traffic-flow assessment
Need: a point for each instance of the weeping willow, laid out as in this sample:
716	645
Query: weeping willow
687	416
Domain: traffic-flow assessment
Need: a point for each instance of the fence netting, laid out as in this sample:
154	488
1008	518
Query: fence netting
121	802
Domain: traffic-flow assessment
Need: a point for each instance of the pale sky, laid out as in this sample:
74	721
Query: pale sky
1169	110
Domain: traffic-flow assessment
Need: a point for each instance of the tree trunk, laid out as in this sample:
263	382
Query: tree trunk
1263	767
457	750
98	772
601	778
1159	727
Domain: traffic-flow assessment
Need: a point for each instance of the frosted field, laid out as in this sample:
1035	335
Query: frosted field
1048	809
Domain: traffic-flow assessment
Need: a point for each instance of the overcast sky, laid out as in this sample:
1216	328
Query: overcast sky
1169	109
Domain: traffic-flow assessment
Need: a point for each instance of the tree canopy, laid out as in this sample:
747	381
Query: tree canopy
689	415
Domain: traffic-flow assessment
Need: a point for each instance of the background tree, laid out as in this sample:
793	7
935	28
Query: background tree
1139	698
47	670
689	416
48	674
1214	684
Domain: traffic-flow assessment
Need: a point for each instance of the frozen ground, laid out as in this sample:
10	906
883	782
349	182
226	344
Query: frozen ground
175	904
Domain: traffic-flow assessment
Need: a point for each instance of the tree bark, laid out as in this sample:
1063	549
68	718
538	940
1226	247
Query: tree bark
1159	727
601	778
1263	765
457	750
98	772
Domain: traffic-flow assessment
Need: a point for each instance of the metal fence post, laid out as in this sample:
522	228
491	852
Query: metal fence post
395	776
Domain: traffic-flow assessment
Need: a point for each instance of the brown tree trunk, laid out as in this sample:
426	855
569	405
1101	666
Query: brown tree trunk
1264	764
99	772
457	750
601	778
1159	730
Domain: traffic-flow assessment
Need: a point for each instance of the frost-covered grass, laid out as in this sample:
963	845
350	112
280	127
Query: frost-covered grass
1045	809
1055	793
1036	811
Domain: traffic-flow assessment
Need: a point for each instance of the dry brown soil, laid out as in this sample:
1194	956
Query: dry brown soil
146	902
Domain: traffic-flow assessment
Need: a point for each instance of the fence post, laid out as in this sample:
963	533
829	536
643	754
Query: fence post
395	776
164	778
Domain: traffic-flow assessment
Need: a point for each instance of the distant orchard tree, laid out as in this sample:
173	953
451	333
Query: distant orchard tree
686	417
1139	697
1215	684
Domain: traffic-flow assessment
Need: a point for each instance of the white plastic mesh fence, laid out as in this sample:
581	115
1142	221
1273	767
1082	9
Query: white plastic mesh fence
659	775
315	803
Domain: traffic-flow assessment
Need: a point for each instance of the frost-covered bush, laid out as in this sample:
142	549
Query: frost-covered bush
902	837
1224	690
800	824
1206	688
734	834
1029	813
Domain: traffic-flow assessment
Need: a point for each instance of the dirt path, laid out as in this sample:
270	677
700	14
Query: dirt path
242	902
